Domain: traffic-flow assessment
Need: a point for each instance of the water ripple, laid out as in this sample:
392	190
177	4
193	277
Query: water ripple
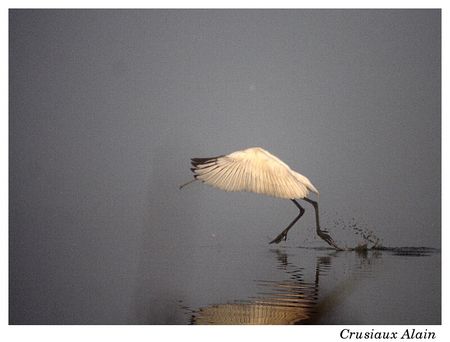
288	301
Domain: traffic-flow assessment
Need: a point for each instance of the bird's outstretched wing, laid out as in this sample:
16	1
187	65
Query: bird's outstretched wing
253	170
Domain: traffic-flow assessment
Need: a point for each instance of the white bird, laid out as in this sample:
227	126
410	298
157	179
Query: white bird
256	170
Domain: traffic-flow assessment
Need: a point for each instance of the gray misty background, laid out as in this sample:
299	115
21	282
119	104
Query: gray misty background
108	106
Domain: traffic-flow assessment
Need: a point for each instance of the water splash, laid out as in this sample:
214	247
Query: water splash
366	238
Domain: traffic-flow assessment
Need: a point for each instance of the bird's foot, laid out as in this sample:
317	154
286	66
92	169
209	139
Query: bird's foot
279	238
323	234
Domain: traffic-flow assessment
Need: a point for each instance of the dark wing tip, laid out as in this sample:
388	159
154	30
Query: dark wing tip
200	161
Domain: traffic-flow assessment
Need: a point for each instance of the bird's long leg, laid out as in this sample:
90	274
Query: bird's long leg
322	233
283	234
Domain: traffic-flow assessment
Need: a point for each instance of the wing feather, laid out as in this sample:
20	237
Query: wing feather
216	179
253	170
239	184
234	182
227	178
209	175
265	182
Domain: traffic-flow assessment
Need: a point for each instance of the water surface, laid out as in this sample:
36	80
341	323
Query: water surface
297	285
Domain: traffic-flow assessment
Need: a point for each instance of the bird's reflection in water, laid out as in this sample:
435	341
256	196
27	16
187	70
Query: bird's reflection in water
290	301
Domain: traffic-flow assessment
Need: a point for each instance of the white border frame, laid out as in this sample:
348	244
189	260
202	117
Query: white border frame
203	333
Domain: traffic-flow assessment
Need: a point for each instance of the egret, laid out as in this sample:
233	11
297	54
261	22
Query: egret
256	170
